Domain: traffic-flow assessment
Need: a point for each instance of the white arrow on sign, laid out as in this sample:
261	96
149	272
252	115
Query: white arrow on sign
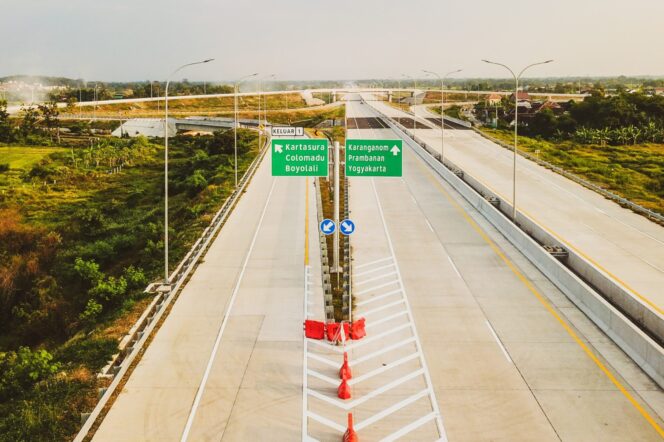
347	227
327	227
278	148
395	150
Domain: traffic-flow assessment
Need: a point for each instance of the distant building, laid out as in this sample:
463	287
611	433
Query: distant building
148	127
522	96
494	99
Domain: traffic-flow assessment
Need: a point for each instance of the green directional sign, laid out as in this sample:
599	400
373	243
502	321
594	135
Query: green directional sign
299	157
374	158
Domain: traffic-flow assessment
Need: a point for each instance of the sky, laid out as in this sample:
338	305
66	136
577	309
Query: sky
125	40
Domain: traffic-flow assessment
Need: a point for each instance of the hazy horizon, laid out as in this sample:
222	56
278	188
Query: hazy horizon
301	40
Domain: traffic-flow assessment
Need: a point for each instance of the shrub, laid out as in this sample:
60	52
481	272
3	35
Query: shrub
135	277
4	167
21	370
196	182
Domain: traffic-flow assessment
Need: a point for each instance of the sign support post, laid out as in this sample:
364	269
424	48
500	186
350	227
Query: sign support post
335	266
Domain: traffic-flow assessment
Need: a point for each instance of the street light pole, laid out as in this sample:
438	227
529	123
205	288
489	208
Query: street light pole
168	81
516	122
260	90
442	110
237	89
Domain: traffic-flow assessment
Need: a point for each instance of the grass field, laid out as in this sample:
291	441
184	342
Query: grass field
635	172
19	157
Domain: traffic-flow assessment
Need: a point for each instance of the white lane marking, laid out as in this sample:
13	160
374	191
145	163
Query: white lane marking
326	361
449	258
396	407
365	341
357	402
410	427
382	369
428	224
367	264
217	342
381	308
387	319
369	290
500	344
326	422
413	199
384	350
432	396
367	272
600	210
375	278
322	377
305	367
378	298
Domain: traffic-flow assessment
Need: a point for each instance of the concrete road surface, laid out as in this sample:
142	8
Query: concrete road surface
250	381
510	357
627	247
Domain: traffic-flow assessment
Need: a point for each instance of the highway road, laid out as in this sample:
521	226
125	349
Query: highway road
626	246
227	362
466	340
510	358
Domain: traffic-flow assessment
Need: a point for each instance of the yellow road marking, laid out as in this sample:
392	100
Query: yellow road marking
543	301
306	222
577	250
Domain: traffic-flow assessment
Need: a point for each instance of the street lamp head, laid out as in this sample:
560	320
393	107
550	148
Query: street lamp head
208	60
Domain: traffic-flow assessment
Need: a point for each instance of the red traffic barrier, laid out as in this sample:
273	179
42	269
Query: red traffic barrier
357	329
344	390
344	371
350	435
333	331
314	329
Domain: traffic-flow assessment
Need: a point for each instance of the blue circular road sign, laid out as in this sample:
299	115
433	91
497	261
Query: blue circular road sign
327	226
347	227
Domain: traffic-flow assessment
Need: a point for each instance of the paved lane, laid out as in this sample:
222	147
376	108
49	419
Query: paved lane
502	362
248	367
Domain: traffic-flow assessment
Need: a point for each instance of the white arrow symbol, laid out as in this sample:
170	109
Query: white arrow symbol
347	227
395	150
328	226
278	148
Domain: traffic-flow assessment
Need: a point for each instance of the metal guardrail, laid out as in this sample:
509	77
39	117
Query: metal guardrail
135	339
585	183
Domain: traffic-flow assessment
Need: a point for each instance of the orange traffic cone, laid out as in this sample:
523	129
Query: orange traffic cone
344	371
350	435
344	390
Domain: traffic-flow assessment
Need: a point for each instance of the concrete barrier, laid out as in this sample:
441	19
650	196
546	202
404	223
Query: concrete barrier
639	345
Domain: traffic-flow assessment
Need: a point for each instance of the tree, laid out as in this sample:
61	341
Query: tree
6	130
28	124
50	114
544	123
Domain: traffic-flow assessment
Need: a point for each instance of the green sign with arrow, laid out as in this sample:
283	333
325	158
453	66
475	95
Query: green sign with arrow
374	158
299	157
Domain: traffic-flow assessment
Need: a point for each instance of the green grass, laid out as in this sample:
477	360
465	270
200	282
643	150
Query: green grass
635	172
20	157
